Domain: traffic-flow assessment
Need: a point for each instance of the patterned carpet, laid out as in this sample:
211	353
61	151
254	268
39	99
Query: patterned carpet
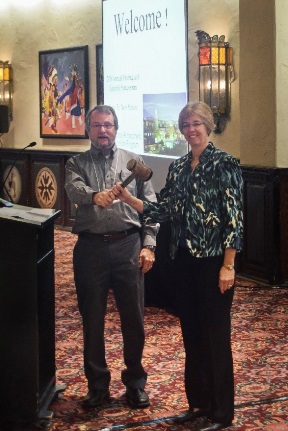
260	331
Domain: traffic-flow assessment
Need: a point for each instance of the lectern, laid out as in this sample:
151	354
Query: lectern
27	314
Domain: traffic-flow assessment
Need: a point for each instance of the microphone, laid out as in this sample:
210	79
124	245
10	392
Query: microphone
139	170
7	203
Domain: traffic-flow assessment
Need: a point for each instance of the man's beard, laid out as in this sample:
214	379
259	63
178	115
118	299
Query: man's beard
103	148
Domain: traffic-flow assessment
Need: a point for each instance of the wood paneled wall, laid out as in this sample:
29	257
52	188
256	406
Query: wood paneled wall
38	181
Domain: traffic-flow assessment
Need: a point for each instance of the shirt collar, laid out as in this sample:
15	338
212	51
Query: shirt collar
205	155
207	152
98	153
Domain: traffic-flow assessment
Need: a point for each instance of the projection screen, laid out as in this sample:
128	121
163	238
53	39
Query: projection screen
145	77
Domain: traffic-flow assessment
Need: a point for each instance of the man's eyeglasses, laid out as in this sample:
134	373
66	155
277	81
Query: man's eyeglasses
194	124
98	126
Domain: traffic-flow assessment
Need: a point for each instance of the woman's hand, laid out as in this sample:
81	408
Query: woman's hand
121	193
146	260
226	279
125	196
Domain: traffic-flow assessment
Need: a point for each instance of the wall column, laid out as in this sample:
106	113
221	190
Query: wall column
263	87
257	82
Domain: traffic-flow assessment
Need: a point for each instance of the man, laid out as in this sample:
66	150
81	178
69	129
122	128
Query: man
109	255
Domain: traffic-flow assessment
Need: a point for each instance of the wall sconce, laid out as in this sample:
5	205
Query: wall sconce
215	76
6	86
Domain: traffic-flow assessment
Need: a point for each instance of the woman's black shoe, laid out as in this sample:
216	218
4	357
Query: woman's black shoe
213	426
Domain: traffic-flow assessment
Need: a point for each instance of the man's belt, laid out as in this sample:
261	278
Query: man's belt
109	236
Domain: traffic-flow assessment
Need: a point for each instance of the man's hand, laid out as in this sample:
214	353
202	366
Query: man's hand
103	199
146	260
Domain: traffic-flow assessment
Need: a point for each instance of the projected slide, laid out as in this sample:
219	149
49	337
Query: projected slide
145	73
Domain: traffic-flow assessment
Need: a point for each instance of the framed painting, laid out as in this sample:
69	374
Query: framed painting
64	92
99	75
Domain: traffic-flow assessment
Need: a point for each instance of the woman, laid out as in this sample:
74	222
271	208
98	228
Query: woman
202	198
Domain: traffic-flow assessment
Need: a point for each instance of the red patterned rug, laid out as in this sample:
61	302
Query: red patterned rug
260	332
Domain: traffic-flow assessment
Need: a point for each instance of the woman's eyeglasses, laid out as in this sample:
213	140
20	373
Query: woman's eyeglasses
194	124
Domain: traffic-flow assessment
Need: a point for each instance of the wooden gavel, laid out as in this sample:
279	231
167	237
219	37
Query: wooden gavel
139	170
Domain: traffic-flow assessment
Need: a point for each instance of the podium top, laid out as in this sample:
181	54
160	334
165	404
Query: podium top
38	216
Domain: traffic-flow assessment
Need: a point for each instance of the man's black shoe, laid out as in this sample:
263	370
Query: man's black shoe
190	416
213	426
138	398
96	398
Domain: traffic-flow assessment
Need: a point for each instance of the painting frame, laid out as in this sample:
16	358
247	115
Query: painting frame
63	92
99	74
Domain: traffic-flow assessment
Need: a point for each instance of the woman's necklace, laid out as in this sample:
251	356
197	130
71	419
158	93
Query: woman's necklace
95	170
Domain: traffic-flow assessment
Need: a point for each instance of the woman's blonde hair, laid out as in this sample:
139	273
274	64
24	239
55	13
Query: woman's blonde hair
200	108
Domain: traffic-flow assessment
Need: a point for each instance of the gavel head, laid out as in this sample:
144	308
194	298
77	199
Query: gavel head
139	170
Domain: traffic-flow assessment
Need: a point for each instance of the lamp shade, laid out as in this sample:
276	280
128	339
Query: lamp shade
6	83
215	75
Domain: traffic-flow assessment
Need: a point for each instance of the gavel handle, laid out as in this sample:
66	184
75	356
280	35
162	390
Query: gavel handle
127	181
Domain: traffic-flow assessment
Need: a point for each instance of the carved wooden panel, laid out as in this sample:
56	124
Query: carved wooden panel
16	176
284	225
47	182
262	253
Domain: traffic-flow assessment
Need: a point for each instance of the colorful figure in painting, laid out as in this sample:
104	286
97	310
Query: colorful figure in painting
53	94
74	92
